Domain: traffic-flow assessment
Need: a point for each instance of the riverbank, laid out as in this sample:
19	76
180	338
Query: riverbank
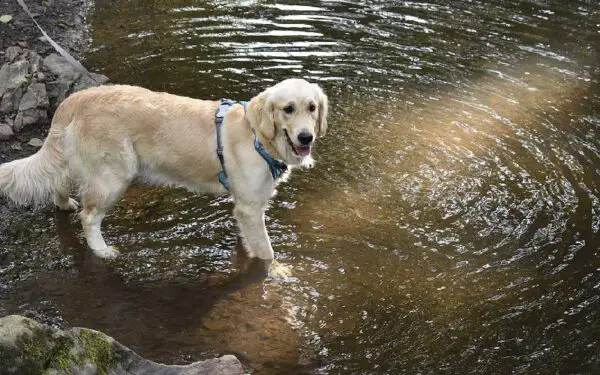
29	88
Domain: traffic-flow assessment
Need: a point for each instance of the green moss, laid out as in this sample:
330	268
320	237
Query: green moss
43	353
63	356
99	350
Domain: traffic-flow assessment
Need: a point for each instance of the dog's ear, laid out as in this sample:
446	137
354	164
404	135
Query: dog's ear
261	115
323	110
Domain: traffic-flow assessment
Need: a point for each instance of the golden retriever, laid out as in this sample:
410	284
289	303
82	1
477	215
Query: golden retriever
103	138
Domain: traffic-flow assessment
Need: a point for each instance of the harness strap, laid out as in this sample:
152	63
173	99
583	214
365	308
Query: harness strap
276	167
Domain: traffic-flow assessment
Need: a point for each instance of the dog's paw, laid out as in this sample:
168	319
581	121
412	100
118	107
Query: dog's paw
71	205
108	252
278	271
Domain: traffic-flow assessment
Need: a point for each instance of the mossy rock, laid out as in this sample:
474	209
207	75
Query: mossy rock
28	347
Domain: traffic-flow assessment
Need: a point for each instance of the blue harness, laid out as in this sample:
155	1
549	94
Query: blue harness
277	167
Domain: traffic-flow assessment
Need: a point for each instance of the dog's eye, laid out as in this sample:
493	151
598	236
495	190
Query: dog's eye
312	107
289	109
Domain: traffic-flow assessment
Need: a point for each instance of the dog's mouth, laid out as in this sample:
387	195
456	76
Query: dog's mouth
298	150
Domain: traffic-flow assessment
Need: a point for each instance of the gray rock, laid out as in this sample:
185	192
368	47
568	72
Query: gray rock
12	53
60	67
35	142
35	97
35	61
33	108
5	132
28	347
57	92
11	100
33	116
13	75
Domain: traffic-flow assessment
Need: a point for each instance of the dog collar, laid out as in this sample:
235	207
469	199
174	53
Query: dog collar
276	167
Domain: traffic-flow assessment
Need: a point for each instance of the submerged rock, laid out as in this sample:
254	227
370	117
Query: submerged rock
28	347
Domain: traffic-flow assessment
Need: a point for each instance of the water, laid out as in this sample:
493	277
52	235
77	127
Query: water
450	226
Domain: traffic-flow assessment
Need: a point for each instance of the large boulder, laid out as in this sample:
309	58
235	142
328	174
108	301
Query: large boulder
66	79
28	347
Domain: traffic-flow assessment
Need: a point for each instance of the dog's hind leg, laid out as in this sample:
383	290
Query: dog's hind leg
105	180
98	196
61	197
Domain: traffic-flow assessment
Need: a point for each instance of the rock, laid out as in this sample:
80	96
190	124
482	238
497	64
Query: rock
13	75
33	108
35	142
60	67
35	61
5	132
12	53
28	347
33	116
23	44
16	147
35	97
57	92
11	100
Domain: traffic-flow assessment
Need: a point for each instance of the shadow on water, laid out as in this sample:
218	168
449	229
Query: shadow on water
450	226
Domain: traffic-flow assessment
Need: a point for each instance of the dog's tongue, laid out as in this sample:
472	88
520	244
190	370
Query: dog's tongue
302	151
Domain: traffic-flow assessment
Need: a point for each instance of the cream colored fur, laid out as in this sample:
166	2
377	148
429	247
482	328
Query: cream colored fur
103	138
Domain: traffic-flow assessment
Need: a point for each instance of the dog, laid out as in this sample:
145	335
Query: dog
103	138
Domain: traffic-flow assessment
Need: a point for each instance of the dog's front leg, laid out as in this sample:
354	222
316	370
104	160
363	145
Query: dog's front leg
251	220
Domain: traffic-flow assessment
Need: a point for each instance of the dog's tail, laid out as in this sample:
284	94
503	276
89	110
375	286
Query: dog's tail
33	179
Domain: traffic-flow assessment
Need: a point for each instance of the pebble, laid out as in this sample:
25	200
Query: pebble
35	142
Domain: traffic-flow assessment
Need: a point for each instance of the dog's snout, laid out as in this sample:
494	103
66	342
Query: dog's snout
305	138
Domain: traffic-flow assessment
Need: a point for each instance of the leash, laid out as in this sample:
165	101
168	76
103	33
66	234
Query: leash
276	167
58	48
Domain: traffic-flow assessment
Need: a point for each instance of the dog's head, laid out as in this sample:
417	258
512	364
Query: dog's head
290	115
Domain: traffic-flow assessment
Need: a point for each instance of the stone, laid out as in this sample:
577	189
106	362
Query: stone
12	53
13	75
33	116
60	67
16	147
28	347
35	97
33	108
35	142
57	92
5	132
11	100
35	61
23	44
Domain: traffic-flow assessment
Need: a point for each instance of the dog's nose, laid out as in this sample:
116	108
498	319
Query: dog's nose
305	138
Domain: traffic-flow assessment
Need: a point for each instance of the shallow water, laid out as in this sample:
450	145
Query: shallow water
450	226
